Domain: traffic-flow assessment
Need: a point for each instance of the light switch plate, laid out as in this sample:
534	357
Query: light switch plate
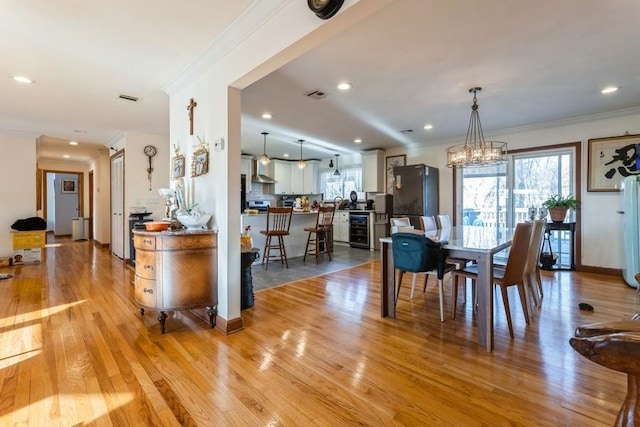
218	144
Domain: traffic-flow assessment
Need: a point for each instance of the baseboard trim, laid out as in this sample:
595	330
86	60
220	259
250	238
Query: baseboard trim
599	270
100	245
229	327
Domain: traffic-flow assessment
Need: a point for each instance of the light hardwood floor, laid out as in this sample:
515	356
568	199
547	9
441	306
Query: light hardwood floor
75	351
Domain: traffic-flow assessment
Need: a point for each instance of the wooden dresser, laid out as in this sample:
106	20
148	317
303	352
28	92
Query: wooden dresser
176	270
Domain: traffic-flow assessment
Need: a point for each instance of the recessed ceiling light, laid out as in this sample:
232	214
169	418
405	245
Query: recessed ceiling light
344	86
66	156
286	154
428	127
357	140
73	142
266	116
23	79
609	89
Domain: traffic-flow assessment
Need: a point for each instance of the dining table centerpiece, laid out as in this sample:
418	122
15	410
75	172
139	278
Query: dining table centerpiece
559	205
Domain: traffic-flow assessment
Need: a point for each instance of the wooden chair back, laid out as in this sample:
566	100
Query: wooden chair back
325	217
278	220
533	256
514	270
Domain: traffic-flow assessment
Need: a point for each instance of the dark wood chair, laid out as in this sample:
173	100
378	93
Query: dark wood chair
320	241
511	275
278	223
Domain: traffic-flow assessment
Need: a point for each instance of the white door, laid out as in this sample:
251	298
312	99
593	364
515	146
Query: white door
117	205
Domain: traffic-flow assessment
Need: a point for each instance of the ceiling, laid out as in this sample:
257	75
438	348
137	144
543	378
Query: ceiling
410	64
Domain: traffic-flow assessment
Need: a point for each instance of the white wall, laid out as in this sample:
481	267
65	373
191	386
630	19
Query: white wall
18	192
101	199
137	191
276	32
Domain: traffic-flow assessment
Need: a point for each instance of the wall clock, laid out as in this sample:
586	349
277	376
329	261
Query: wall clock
325	9
150	151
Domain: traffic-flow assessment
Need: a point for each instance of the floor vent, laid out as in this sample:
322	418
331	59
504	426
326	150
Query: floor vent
316	94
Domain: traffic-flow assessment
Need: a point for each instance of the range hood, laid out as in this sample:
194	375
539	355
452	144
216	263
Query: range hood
260	178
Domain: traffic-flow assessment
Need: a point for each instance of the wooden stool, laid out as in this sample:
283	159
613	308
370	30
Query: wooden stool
615	345
324	224
278	223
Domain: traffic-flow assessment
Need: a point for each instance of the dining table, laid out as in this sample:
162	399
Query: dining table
473	242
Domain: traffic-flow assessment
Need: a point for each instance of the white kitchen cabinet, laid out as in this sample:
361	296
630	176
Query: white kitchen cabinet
297	179
246	166
373	171
281	173
305	181
341	226
311	177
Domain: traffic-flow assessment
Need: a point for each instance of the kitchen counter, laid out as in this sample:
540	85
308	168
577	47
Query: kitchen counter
295	243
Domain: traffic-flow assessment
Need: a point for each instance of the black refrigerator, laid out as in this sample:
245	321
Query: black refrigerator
415	192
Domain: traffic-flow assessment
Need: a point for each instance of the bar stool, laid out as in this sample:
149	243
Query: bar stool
278	223
324	224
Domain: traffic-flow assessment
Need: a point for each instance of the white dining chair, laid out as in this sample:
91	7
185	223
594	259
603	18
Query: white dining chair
428	223
400	224
444	221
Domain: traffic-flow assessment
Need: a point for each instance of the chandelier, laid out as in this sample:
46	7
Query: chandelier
476	151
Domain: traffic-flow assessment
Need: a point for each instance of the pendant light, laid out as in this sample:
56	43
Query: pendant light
476	151
301	163
337	171
264	159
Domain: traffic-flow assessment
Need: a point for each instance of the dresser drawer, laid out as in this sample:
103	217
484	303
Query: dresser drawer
146	292
144	242
146	265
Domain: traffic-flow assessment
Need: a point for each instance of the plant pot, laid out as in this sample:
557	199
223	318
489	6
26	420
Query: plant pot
558	214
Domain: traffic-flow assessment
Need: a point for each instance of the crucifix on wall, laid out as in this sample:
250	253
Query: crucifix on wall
192	104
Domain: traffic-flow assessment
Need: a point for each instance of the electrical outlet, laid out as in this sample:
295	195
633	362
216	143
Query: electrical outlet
218	144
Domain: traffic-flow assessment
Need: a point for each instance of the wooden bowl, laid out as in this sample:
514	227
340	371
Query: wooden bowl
157	225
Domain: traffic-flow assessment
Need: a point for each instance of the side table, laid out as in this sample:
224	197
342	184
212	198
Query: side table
571	228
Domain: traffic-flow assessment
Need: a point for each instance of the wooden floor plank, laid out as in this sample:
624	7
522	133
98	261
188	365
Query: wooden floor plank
75	350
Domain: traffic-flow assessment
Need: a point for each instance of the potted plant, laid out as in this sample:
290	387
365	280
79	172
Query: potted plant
559	205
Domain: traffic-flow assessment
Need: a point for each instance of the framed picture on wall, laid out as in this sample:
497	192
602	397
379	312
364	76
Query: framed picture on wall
178	164
69	186
390	163
611	160
199	162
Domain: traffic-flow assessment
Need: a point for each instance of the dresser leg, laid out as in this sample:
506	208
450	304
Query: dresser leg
162	318
212	311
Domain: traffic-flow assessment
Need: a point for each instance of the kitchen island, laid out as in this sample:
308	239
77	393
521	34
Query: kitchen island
295	242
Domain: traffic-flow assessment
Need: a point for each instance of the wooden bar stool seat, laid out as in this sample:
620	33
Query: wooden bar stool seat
320	241
278	223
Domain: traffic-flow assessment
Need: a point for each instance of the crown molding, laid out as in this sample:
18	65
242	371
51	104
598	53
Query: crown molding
238	30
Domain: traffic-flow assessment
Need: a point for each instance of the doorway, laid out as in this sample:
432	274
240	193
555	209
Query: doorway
62	199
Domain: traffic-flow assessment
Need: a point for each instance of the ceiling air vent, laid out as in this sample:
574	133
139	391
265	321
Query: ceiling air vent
129	97
316	94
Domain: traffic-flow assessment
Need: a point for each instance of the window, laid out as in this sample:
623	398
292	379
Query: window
350	179
501	196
